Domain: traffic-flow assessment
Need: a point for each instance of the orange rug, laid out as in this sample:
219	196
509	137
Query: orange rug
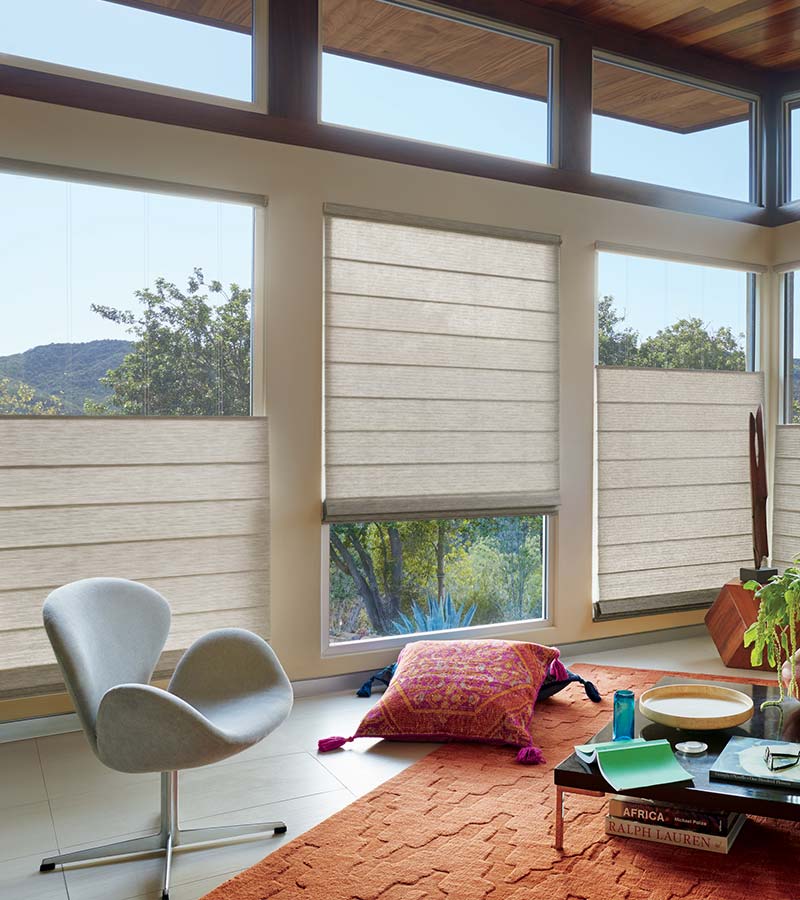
468	823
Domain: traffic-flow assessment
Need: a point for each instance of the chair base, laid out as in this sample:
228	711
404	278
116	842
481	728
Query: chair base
169	839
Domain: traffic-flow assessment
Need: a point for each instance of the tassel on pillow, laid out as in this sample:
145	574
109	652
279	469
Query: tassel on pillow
325	745
591	691
530	756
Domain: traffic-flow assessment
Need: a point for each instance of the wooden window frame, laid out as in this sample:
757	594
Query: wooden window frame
259	72
550	43
291	54
755	119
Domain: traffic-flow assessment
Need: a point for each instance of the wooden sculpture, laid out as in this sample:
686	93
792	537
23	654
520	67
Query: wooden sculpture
735	609
758	490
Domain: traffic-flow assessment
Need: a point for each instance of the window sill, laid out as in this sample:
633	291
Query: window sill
398	641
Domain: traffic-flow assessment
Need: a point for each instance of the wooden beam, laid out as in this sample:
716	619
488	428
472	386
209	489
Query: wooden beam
575	103
34	85
294	59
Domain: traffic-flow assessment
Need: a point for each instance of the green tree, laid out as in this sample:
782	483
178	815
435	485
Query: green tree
190	357
616	346
690	344
19	399
371	554
686	344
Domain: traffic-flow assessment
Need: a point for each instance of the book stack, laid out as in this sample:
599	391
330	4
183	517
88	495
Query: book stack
663	823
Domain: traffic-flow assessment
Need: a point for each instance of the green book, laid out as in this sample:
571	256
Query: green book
638	763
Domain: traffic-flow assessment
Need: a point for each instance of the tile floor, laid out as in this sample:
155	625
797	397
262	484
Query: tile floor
55	796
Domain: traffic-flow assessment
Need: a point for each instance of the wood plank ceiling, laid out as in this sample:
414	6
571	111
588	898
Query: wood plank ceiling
763	33
376	31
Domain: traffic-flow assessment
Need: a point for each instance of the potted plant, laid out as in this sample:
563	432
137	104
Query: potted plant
775	630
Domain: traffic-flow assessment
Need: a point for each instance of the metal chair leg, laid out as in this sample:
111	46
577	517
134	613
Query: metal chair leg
169	839
149	844
192	836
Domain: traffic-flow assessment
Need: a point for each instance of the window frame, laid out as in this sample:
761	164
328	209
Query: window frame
397	642
787	298
756	275
257	202
259	69
789	103
551	43
756	173
754	272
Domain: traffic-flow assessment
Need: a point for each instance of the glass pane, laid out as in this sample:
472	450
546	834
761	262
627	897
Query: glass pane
408	73
651	129
119	302
794	350
658	314
407	577
794	153
210	53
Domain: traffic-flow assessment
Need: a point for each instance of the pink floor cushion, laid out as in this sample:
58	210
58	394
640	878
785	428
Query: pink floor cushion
481	690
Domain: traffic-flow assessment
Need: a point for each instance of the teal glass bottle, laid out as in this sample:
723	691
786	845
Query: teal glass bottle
624	714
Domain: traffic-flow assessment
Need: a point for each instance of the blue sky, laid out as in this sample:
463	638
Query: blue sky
63	247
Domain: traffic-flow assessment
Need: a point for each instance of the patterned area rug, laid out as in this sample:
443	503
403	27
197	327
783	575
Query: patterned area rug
468	823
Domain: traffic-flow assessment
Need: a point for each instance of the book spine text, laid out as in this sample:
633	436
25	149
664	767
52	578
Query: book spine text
660	835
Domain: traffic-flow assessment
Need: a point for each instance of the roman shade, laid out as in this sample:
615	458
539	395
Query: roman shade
441	368
673	486
786	499
179	503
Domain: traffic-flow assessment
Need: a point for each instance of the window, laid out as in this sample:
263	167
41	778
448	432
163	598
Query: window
123	301
675	389
405	577
791	350
210	52
423	74
791	188
658	129
441	422
657	313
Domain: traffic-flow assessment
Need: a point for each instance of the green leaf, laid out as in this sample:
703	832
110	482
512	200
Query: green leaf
750	634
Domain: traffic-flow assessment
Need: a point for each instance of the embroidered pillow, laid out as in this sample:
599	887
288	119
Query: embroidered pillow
481	690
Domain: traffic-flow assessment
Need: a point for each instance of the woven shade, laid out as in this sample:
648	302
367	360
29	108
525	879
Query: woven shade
178	503
673	486
786	500
441	368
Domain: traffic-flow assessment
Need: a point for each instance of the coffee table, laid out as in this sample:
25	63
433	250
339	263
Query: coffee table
573	776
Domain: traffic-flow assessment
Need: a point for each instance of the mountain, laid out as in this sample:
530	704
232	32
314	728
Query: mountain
69	371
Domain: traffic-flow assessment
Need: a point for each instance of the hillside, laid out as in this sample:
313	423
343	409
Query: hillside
69	371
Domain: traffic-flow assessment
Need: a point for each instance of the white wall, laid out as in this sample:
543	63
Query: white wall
298	181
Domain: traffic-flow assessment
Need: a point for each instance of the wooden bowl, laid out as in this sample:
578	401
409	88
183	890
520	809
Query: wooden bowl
696	707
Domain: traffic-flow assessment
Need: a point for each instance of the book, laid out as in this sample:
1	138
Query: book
676	837
655	812
743	761
637	763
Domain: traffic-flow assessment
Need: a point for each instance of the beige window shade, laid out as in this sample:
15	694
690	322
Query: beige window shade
673	486
179	503
786	499
441	368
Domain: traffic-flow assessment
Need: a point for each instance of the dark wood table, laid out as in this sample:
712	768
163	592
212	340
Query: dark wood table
573	776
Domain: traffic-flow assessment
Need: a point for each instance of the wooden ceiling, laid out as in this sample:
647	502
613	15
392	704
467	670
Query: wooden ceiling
373	30
235	15
376	31
649	100
763	33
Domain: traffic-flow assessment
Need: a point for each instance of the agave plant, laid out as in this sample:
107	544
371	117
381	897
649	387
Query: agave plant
441	614
775	630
